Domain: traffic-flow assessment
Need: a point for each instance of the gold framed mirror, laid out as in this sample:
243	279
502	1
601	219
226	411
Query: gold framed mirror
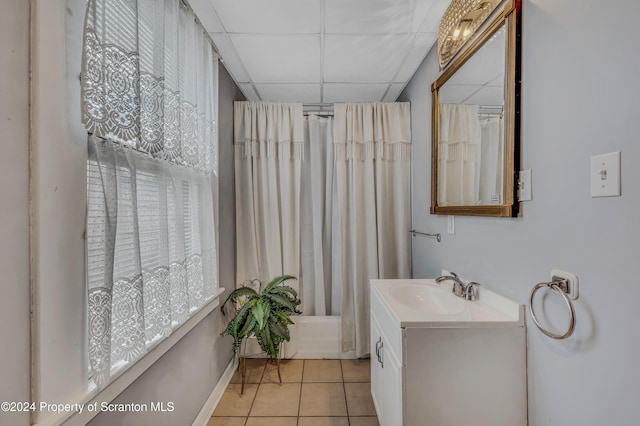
476	123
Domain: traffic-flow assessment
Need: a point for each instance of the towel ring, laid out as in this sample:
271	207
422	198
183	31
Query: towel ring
553	286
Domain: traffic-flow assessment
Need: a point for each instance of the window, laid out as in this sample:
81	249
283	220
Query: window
149	95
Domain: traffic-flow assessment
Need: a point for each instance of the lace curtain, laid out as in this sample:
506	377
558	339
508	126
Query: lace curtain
149	99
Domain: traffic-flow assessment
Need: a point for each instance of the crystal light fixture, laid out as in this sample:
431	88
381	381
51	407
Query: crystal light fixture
460	21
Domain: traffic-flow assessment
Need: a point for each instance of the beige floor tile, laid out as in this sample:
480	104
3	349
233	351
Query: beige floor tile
323	421
276	400
290	370
359	399
322	399
363	421
226	421
272	421
356	370
255	368
322	370
233	404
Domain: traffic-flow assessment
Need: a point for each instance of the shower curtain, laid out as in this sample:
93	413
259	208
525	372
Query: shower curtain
320	294
459	155
269	139
492	154
325	200
372	143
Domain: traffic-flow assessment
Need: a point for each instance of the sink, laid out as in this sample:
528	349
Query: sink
425	303
426	298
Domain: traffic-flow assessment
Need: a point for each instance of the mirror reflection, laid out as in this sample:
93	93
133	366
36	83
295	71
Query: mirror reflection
475	150
471	129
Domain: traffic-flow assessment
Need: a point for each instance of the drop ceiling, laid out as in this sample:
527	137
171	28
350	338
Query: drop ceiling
321	51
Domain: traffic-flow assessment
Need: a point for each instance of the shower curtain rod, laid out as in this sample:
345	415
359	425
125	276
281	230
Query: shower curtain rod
326	113
321	105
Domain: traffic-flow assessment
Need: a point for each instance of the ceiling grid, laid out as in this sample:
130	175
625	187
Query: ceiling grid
321	51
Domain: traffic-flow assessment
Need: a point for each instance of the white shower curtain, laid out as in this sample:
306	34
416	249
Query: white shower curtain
268	163
333	211
372	143
459	155
320	295
491	161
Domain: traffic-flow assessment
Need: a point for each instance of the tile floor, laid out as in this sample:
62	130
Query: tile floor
313	393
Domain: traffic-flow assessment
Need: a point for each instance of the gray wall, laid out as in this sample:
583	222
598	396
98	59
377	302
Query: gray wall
14	207
580	98
187	374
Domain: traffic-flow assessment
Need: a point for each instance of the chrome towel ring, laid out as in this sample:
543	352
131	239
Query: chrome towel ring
555	286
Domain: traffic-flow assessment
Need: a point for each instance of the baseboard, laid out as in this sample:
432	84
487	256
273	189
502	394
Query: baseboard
207	409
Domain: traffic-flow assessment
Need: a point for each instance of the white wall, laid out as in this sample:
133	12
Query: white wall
581	97
14	207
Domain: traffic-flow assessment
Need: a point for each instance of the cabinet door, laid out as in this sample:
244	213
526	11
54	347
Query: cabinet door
377	380
392	378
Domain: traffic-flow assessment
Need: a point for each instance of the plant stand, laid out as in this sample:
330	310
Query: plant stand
243	365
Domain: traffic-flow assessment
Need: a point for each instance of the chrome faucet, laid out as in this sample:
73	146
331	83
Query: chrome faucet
459	286
460	289
470	292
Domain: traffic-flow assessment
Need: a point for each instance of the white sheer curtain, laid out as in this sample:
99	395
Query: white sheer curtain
459	155
372	143
149	96
320	295
269	139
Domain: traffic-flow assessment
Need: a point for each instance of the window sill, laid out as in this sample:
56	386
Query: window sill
120	380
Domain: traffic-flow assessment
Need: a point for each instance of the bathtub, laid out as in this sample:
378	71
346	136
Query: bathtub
312	337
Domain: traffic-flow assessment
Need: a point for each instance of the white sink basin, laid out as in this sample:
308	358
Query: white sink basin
427	299
424	303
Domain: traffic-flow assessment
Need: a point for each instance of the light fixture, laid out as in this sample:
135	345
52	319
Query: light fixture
460	21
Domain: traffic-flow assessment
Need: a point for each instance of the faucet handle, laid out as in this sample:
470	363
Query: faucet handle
470	291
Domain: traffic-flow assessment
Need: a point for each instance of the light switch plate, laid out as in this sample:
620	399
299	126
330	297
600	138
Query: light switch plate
524	186
605	175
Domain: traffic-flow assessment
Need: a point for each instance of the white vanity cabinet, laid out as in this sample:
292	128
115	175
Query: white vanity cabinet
386	377
441	370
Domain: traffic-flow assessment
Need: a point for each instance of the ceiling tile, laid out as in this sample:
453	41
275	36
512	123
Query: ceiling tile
393	92
421	47
456	94
230	58
249	92
487	96
420	13
367	59
432	21
305	93
368	17
354	92
485	65
280	59
207	15
273	16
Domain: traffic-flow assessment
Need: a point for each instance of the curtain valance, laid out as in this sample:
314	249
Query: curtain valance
148	80
267	129
372	130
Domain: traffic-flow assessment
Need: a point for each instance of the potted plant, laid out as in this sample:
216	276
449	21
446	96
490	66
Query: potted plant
264	313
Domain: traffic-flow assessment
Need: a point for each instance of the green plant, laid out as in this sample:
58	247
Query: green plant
265	314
